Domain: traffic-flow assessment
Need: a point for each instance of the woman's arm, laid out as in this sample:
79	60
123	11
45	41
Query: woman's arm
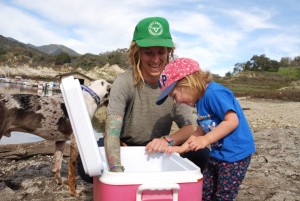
112	142
181	135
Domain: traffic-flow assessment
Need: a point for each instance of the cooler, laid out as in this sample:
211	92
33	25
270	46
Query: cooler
155	177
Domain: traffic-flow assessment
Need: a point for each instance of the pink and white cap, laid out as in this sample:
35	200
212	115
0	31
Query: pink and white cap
173	72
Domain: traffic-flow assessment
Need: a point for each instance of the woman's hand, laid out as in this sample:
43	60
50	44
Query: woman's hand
157	145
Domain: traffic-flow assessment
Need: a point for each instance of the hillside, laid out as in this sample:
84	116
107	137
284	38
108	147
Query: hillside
11	45
54	49
17	54
28	61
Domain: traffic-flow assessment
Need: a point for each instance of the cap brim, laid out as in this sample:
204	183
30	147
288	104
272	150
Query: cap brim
155	42
164	94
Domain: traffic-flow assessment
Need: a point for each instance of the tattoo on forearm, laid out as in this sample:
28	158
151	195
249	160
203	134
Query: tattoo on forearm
112	138
114	125
112	148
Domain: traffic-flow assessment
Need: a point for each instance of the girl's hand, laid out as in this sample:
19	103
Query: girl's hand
178	149
197	142
174	149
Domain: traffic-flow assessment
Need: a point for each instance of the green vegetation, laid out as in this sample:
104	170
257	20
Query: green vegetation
262	64
89	61
62	58
262	77
283	85
290	72
2	51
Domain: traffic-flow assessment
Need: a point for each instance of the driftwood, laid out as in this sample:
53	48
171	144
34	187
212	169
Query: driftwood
26	150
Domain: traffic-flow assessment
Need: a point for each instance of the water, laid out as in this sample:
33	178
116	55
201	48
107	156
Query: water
10	88
21	137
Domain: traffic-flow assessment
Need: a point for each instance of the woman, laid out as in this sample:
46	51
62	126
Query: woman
133	118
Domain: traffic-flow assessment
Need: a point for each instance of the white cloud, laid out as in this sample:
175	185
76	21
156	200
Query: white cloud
25	28
251	19
280	45
215	33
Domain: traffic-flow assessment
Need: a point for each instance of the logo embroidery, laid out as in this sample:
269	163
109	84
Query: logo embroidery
155	28
163	79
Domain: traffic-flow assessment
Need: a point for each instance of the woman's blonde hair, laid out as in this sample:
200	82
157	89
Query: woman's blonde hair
133	54
196	82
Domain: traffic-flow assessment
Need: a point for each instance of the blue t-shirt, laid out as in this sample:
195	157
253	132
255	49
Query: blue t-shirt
211	110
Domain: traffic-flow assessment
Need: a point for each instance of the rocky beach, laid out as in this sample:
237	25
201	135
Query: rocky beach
273	175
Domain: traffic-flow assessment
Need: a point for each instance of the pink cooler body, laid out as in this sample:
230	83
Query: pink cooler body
105	192
155	177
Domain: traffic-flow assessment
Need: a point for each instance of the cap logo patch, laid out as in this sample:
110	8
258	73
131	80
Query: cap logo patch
163	80
155	28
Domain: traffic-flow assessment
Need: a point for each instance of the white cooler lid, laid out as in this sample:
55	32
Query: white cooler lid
82	126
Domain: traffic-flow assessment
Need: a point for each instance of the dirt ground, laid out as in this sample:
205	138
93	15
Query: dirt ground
273	175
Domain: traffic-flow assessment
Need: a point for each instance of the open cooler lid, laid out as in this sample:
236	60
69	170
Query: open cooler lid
82	126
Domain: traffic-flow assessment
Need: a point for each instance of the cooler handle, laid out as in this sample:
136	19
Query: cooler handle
153	187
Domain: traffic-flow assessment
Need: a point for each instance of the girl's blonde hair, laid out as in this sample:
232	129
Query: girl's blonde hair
133	54
196	82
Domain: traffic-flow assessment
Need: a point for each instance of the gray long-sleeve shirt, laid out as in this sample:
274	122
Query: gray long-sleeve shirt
143	119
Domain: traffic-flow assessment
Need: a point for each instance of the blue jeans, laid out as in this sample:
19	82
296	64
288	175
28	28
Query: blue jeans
199	158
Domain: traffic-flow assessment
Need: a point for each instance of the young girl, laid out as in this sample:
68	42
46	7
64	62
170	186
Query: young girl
221	125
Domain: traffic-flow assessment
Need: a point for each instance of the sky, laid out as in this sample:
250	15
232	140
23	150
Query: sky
216	33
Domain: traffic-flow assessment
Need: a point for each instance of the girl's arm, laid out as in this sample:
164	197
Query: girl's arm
179	137
185	146
229	123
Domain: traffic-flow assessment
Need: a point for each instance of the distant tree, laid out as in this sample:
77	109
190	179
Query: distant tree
273	66
261	63
27	53
238	67
115	57
285	62
62	58
296	61
2	51
228	74
248	66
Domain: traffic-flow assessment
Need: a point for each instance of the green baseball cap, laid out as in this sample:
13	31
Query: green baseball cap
153	31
